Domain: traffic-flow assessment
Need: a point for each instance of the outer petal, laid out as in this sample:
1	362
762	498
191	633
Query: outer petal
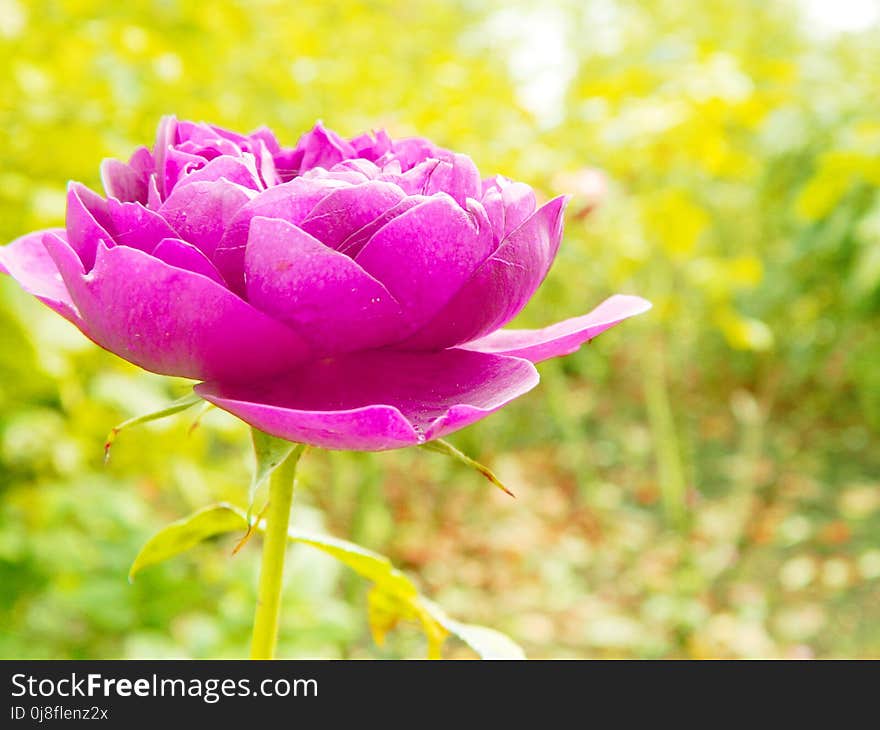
172	321
500	287
27	261
324	295
84	208
564	337
90	219
377	400
425	255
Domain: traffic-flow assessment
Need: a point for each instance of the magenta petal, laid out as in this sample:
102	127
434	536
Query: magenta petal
166	136
355	242
27	261
424	255
510	204
290	202
131	224
323	294
179	162
201	211
128	182
84	209
494	207
500	287
345	211
519	203
413	150
154	200
184	255
377	400
91	219
564	337
367	169
268	175
171	321
260	134
322	147
415	180
239	170
458	176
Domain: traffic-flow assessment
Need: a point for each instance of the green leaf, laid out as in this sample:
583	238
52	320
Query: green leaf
395	598
374	567
444	447
180	536
181	404
488	643
384	613
392	599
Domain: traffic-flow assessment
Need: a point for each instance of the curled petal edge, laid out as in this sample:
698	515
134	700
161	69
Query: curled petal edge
562	338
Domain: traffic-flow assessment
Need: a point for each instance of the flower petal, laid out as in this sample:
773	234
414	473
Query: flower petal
424	255
239	170
171	321
500	287
562	338
201	211
458	176
377	400
291	202
510	203
356	241
410	151
322	147
324	295
131	224
184	255
519	203
84	208
27	261
128	182
90	219
347	210
166	136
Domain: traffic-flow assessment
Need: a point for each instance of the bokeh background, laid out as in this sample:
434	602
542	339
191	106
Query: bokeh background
703	481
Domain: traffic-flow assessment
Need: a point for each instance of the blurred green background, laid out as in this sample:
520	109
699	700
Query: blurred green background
703	481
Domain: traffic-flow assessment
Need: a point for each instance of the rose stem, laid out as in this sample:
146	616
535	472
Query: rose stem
274	550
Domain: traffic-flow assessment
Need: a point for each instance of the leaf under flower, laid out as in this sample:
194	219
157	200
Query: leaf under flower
392	599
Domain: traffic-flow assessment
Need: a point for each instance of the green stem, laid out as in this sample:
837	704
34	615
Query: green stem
274	550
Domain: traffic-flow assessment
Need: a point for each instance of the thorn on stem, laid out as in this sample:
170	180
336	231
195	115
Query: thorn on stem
252	526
